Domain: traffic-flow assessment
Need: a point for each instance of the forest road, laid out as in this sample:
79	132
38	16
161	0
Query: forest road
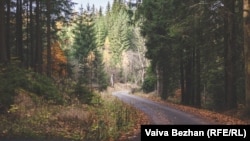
159	113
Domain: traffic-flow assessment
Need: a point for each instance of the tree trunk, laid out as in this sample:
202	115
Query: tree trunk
48	39
3	53
32	47
28	53
189	76
197	79
229	40
165	82
8	30
199	39
159	75
19	32
246	26
38	50
182	78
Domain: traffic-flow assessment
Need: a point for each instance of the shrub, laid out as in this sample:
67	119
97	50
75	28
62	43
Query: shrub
83	93
10	79
44	86
14	78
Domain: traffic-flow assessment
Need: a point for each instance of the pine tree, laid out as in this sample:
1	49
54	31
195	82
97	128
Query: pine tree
119	34
84	42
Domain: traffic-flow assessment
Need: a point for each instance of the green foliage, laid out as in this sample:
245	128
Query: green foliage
186	42
44	87
84	36
111	121
13	78
119	33
149	82
103	80
89	35
83	93
158	20
101	30
101	77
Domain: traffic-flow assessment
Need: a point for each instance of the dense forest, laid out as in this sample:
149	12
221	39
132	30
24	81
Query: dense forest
200	47
196	50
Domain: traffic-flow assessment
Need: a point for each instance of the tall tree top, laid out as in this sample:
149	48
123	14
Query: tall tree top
108	8
100	12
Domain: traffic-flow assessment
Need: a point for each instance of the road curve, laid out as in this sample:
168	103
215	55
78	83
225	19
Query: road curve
159	113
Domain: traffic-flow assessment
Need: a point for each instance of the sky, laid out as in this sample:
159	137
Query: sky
97	3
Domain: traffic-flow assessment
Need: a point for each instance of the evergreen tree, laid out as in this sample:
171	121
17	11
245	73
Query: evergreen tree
156	23
84	42
119	35
100	30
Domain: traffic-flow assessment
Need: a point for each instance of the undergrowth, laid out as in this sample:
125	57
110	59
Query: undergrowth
41	120
35	107
13	78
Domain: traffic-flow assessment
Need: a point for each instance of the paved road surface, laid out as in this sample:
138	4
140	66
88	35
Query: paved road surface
159	113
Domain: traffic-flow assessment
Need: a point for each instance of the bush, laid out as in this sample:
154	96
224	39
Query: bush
44	86
83	93
10	80
14	78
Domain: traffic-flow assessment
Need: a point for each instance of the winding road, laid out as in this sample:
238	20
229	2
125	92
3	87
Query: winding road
159	113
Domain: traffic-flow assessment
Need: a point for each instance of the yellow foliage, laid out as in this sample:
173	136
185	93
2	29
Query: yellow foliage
106	52
58	60
59	25
13	108
91	57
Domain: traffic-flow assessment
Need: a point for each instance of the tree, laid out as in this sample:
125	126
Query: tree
58	61
108	9
24	18
39	48
19	31
100	76
84	42
138	59
155	27
3	51
189	34
8	31
229	55
48	37
100	30
31	36
246	25
119	35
